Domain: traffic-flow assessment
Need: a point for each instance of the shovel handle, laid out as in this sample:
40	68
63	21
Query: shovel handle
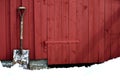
21	12
21	27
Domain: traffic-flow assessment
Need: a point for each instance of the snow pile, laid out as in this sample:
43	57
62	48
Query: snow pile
105	71
1	65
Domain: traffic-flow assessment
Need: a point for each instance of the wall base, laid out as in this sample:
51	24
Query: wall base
33	64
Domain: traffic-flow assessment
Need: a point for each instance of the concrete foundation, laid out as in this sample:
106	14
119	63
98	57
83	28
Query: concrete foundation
33	64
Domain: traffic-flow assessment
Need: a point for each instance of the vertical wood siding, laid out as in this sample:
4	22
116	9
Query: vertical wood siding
62	31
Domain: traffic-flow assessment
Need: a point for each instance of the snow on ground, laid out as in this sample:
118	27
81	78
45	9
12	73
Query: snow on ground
109	70
0	65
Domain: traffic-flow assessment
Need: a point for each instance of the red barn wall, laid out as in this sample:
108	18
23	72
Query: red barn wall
62	31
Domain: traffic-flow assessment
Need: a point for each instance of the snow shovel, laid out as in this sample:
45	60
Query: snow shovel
21	56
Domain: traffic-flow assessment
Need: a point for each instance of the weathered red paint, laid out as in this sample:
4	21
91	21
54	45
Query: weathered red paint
101	27
62	31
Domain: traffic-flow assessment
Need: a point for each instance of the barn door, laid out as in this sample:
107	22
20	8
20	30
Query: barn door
58	49
62	41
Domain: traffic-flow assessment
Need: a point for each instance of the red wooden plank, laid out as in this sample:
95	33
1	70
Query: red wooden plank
3	30
72	30
96	30
7	20
41	28
14	25
85	30
58	30
108	25
91	31
82	31
115	29
43	16
101	30
37	23
118	28
18	3
51	25
26	30
31	29
64	26
79	35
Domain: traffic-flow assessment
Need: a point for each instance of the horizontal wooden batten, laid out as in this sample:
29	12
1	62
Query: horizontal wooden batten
61	42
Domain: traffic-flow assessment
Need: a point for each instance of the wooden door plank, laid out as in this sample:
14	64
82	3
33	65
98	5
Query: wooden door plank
58	30
51	26
85	31
64	26
82	31
72	30
79	35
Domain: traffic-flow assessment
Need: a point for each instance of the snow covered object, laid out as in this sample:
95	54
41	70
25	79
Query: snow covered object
0	64
22	59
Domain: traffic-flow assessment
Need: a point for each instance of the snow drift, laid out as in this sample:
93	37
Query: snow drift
1	65
105	71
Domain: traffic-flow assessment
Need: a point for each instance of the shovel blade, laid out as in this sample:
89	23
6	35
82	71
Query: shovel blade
22	59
